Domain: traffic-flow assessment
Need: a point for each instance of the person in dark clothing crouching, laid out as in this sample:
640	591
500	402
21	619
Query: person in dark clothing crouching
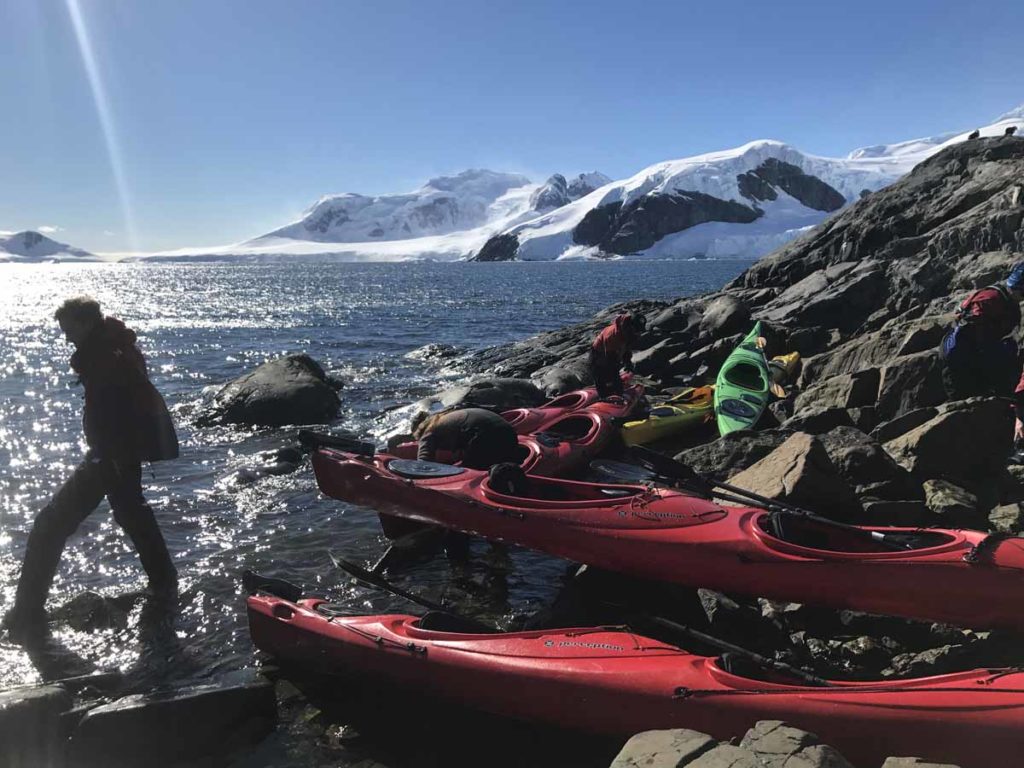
612	350
126	422
476	437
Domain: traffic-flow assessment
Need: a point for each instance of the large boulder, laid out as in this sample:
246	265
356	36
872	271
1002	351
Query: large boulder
866	466
175	727
967	440
498	394
288	390
732	453
779	745
800	472
909	383
663	749
953	505
847	390
30	725
725	316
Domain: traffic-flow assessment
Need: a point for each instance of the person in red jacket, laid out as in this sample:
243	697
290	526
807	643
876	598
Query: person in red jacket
612	350
126	422
981	357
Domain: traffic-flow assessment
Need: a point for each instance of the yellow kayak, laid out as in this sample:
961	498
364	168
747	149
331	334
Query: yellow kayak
690	407
784	367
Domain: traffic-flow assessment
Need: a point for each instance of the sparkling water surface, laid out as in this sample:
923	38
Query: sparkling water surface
200	326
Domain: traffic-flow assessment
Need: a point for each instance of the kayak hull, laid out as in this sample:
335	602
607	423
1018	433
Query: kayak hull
742	386
670	536
529	420
616	682
690	408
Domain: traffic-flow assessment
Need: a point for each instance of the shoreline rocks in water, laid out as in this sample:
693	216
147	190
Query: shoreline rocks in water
289	390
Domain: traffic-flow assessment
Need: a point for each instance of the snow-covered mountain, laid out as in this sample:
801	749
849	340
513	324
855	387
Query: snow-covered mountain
31	246
741	202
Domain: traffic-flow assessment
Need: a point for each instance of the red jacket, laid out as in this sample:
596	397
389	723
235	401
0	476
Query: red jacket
992	313
124	418
614	342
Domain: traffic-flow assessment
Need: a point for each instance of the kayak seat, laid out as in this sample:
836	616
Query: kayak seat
821	535
440	621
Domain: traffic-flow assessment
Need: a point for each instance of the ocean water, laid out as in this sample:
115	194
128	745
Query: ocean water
200	326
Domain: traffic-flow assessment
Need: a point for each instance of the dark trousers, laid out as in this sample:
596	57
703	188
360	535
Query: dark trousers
974	369
606	375
121	483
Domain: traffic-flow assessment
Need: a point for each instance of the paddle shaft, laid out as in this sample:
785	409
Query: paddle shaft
728	647
376	580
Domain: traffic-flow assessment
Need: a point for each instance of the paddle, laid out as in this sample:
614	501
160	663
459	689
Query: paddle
315	440
422	540
690	480
376	580
727	647
774	387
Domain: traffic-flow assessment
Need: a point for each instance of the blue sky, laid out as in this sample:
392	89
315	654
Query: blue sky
230	117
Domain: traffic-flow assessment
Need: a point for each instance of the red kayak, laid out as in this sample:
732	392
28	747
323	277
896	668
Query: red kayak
966	578
566	444
528	420
616	682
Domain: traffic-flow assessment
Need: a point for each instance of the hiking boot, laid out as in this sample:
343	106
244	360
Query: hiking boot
29	630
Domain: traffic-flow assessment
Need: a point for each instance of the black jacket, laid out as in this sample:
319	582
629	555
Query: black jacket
125	418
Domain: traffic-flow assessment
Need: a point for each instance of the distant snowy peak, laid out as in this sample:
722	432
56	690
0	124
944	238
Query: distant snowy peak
1013	114
556	191
33	246
443	205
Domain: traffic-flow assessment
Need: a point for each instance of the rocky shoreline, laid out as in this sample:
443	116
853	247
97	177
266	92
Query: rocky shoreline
866	436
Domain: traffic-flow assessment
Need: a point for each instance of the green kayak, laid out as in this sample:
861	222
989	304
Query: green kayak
741	391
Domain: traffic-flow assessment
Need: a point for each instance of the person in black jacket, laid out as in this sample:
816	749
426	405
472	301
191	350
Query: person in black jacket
477	437
126	422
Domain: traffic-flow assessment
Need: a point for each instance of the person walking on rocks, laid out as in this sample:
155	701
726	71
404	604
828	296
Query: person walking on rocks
477	437
612	350
981	357
126	422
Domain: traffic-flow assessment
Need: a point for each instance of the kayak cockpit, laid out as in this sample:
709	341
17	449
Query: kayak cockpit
747	376
540	489
820	534
571	428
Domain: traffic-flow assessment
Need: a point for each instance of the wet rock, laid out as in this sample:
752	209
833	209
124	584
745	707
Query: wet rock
725	316
953	505
913	762
934	661
967	440
779	745
909	383
848	390
496	393
30	725
1007	518
290	390
663	749
732	453
890	430
800	472
557	380
90	611
176	726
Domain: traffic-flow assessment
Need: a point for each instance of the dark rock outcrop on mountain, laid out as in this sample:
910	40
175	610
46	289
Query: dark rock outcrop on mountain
499	248
622	229
760	183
